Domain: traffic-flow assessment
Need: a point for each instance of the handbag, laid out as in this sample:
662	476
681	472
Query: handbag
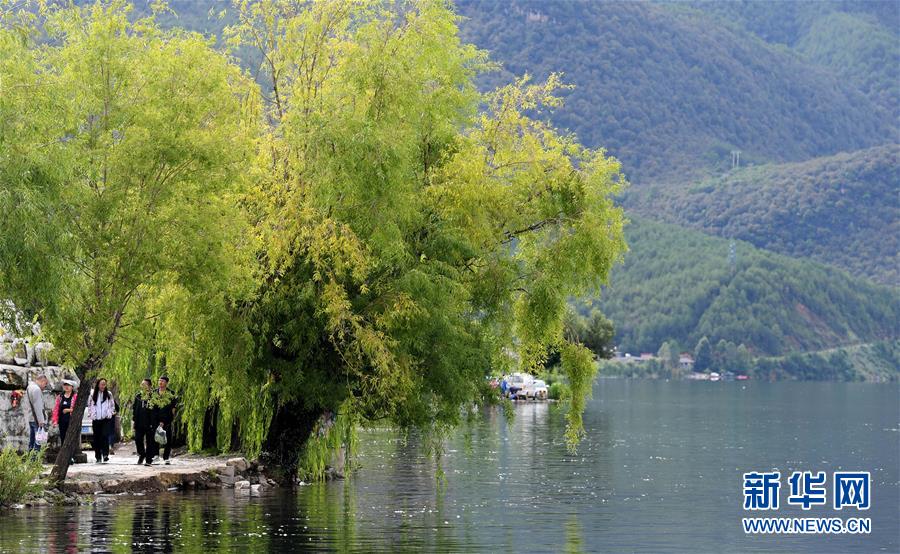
160	436
40	436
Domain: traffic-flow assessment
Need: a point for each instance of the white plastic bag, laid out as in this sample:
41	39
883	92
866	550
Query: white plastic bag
40	436
160	436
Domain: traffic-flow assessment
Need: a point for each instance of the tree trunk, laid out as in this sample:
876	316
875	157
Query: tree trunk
73	435
290	429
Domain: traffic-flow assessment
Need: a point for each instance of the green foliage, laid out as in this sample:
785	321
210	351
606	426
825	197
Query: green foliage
19	475
326	441
703	356
580	369
681	285
669	354
857	40
879	361
595	332
559	391
122	145
646	369
840	210
671	91
406	234
860	49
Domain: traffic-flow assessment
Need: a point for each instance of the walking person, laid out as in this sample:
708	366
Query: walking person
34	410
144	423
102	410
166	404
62	412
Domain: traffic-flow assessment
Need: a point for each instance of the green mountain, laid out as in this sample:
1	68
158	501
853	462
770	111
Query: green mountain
859	41
841	210
681	285
671	90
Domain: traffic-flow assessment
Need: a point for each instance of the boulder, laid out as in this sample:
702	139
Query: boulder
7	353
255	490
226	480
23	352
12	376
240	464
242	485
44	354
226	471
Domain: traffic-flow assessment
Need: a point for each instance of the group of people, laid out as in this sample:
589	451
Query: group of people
153	412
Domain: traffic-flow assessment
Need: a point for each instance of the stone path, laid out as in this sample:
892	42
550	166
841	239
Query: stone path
123	474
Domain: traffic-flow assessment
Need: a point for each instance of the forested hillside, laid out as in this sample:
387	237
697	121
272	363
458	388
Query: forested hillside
857	40
672	91
841	210
682	285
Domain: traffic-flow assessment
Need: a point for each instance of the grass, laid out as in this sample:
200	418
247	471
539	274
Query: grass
19	476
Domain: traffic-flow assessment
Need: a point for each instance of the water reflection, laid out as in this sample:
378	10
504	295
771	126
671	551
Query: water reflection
658	471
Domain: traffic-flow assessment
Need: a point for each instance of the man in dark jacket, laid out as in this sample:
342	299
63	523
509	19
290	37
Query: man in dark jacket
144	423
166	403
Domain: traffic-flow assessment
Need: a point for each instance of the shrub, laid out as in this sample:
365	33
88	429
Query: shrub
19	475
559	391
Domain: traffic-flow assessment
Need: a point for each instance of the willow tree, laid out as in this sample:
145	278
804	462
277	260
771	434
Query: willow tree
120	146
412	232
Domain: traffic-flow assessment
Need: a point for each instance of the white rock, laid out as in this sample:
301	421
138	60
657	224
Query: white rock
242	485
255	490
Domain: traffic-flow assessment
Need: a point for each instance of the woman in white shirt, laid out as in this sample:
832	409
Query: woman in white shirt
102	410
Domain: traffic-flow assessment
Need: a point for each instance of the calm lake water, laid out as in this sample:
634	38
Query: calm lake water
659	471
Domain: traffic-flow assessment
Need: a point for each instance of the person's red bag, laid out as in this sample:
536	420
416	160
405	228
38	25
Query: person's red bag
16	397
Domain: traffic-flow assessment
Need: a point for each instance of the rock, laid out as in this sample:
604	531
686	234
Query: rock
53	496
240	464
242	485
255	490
23	352
7	353
43	354
81	487
227	471
226	480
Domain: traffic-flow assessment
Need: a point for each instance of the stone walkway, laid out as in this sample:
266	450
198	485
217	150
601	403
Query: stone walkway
123	474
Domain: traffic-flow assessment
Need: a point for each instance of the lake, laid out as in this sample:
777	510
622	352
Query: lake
660	470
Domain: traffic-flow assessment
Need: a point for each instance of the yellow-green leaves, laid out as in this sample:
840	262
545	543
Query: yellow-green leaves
417	236
361	228
128	175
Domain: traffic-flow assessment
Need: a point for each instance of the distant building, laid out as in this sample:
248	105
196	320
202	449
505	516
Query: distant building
686	361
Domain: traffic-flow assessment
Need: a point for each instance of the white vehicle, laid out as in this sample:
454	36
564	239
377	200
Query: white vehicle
517	382
537	390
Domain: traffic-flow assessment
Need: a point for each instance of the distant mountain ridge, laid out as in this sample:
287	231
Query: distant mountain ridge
672	92
842	210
